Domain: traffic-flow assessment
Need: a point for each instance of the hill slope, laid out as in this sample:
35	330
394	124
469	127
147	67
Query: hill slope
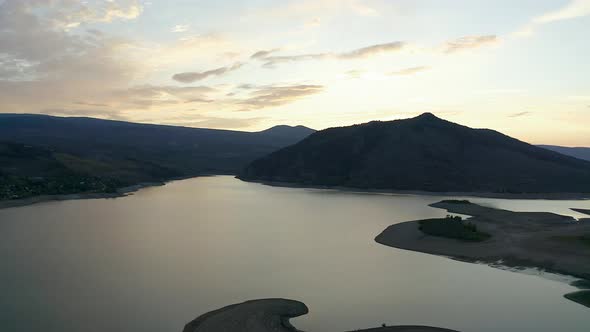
580	153
422	153
58	149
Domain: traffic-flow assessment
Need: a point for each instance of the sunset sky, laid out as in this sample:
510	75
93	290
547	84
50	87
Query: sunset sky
517	66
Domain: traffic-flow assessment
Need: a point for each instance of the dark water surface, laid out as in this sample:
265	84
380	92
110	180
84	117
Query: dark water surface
157	259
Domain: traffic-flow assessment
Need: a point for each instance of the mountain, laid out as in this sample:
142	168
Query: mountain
421	153
47	147
289	131
578	152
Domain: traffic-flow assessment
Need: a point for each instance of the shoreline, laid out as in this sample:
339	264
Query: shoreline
540	240
125	191
539	196
121	192
272	315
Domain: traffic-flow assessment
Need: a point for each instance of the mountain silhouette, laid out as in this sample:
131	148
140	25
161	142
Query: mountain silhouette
56	154
421	153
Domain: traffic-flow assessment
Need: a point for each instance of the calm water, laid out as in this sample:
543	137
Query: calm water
159	258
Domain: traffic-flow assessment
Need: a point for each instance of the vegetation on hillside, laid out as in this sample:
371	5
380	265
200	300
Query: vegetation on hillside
422	153
44	155
17	187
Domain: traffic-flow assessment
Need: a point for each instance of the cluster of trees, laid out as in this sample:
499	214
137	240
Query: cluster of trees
453	227
16	187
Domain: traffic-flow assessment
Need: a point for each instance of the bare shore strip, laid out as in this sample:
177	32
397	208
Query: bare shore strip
541	240
271	315
121	192
545	196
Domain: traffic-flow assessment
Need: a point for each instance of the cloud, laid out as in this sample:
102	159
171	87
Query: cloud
373	50
201	121
263	54
271	96
45	64
519	114
70	14
190	77
572	10
146	96
469	42
360	53
409	71
96	113
250	97
180	28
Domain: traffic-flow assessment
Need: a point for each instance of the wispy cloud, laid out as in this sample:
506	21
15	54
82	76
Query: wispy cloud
409	71
573	9
99	113
519	114
190	77
180	28
272	96
204	121
263	54
469	42
145	96
360	53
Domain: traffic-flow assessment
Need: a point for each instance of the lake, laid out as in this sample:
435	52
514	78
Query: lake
156	259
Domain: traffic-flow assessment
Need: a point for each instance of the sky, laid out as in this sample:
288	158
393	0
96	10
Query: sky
517	66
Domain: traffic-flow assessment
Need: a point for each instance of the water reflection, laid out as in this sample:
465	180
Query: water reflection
157	259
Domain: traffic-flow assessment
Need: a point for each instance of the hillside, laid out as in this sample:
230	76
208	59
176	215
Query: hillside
421	153
578	152
46	149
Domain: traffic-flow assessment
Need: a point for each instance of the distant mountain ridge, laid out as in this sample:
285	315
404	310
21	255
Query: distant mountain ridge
421	153
577	152
288	131
124	153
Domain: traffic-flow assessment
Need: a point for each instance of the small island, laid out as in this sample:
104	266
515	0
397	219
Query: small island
271	315
542	240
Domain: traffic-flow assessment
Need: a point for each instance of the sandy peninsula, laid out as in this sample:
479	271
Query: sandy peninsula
542	240
270	315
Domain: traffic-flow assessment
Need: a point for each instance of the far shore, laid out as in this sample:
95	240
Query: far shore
121	192
540	196
125	191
